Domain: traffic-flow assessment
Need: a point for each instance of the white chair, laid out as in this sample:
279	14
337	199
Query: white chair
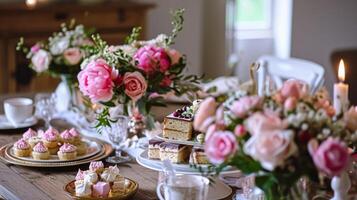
276	70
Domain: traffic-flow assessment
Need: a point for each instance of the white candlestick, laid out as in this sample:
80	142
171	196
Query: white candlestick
340	97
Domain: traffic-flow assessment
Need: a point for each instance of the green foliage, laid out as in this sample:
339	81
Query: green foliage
135	33
177	22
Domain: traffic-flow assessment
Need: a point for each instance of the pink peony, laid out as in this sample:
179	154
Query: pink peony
246	104
205	114
96	80
151	59
331	156
41	60
174	56
135	85
293	88
219	146
72	56
350	118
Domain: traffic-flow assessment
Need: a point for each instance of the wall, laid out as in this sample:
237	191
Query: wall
189	41
321	26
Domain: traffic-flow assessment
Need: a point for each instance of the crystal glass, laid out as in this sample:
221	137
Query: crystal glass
118	133
46	107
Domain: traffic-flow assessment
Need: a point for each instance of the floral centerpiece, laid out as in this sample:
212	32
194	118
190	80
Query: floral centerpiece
61	54
279	138
136	74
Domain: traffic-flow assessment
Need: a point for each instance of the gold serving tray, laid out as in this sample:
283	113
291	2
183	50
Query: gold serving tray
130	191
105	152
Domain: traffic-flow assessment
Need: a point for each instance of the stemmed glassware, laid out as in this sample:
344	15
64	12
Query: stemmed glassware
117	134
46	107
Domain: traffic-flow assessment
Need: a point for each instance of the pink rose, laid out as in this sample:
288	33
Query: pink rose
174	56
220	146
135	85
41	60
246	104
290	103
264	123
97	80
331	156
151	58
294	88
271	148
72	56
35	48
350	118
326	105
214	128
205	114
166	81
240	131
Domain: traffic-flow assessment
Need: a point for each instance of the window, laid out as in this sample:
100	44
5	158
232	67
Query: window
253	19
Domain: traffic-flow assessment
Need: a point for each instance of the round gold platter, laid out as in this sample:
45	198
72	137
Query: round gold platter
105	151
131	189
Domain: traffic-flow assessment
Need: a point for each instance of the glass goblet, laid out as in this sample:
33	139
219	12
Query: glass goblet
46	108
118	133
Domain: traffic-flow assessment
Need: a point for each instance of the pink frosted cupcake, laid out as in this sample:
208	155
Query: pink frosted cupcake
67	152
67	137
29	134
76	136
96	166
22	148
50	139
40	152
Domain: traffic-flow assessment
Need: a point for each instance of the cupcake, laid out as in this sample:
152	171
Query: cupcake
67	152
50	139
76	136
22	148
67	137
34	140
96	166
82	148
29	134
40	152
52	130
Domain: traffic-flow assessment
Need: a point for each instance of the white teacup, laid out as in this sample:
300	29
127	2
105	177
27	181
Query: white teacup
17	110
184	187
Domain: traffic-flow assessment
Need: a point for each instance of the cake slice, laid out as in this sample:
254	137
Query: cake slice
179	125
176	153
198	156
154	149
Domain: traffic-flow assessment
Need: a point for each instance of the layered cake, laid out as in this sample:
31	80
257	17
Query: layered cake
179	124
198	156
176	153
154	149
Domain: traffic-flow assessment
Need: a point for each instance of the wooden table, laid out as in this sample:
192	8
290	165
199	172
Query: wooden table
17	182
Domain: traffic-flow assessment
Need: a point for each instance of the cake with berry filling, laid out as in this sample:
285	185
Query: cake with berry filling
154	149
176	153
179	124
198	156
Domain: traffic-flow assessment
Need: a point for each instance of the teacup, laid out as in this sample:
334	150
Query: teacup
184	187
17	110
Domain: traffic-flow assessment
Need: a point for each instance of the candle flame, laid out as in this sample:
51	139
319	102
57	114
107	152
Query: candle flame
341	71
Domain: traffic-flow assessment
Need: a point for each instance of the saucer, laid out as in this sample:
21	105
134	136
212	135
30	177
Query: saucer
6	125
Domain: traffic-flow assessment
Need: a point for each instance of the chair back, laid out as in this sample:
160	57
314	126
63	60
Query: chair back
274	71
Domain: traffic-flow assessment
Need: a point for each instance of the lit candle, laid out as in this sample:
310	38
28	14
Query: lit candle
31	3
340	91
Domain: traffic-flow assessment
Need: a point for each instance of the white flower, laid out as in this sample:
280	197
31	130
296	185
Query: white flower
128	49
321	115
58	45
41	60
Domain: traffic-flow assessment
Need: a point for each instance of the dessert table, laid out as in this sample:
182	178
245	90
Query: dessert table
17	182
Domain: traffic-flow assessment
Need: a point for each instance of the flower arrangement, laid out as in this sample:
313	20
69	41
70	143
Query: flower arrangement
62	53
136	74
278	138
